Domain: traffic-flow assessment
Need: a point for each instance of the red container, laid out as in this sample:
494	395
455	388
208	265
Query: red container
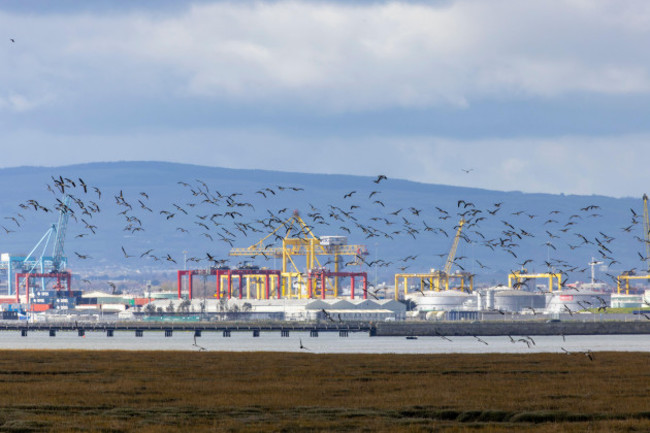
142	301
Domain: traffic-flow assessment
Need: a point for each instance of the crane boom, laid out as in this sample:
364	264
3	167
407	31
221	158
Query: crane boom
452	253
646	232
305	243
57	250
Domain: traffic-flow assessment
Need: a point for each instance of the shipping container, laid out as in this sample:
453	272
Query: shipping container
9	315
86	301
43	300
462	315
65	301
142	301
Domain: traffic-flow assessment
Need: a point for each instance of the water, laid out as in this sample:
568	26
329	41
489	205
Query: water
326	342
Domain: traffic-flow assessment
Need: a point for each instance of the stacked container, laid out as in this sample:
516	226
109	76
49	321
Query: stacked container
58	299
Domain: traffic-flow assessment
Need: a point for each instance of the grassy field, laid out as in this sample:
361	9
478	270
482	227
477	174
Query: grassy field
120	391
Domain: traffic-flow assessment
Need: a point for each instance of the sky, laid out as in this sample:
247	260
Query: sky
533	96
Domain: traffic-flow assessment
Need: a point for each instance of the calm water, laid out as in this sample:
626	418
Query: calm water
325	343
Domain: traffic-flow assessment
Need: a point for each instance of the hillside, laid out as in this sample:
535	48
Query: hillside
504	229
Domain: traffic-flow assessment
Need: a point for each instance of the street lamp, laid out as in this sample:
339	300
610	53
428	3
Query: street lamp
593	264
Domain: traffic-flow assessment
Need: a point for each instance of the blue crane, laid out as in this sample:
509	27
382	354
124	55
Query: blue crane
56	262
60	229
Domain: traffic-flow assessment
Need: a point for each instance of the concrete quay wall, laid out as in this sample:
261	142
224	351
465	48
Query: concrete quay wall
509	328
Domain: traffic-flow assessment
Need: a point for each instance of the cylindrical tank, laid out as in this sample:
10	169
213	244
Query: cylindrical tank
518	300
485	298
439	301
480	300
575	300
435	315
627	301
489	305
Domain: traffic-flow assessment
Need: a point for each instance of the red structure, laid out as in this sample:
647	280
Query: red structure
230	273
324	273
66	276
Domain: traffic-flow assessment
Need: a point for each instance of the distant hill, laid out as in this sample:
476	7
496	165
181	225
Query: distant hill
399	220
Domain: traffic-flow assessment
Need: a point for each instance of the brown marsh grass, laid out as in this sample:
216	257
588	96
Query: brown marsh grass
121	391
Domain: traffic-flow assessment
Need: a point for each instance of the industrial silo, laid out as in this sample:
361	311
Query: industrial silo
575	300
439	301
515	301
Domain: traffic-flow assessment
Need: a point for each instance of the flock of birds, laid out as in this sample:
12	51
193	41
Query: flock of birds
227	219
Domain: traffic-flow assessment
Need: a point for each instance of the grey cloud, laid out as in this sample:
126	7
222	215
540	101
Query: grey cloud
339	57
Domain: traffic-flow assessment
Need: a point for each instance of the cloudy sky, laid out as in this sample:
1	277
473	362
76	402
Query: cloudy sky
535	96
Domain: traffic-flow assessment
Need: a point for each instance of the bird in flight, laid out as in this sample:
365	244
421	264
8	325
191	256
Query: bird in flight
467	170
380	178
480	340
12	40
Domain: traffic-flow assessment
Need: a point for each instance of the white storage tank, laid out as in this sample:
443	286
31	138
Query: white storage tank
439	301
518	300
485	297
566	301
627	301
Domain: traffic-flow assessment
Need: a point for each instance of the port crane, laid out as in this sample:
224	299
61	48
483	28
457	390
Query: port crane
40	265
299	240
625	277
444	276
440	279
56	262
521	277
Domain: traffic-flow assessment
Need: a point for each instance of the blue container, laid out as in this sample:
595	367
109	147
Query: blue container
87	301
9	315
462	315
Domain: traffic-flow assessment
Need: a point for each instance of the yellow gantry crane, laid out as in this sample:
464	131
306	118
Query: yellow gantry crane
627	276
439	280
299	240
520	278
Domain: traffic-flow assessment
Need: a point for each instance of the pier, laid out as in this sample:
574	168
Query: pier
197	328
387	329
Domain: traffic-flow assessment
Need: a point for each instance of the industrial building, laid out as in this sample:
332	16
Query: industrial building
335	310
